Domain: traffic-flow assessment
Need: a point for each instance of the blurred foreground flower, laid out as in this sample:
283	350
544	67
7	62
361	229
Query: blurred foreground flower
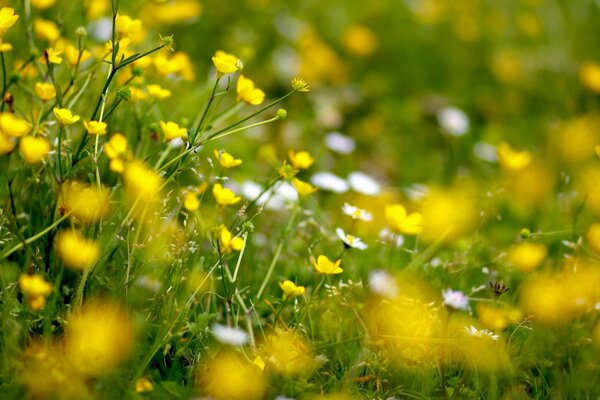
76	251
36	290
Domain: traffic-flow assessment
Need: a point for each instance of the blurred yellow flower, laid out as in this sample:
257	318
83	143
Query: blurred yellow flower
128	26
593	237
7	19
13	126
359	40
301	159
589	73
143	385
33	149
324	265
76	251
6	144
226	160
64	116
95	127
141	181
45	91
171	131
74	56
5	47
290	290
191	202
225	63
498	318
527	256
53	56
512	160
287	353
42	4
36	288
402	222
117	151
224	196
85	202
158	92
45	30
303	188
247	93
227	244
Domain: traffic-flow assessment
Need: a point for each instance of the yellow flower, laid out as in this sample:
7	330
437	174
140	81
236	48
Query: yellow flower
227	244
171	130
128	26
324	265
300	85
73	56
303	188
36	289
248	93
95	127
5	47
85	202
53	56
401	222
527	256
76	251
42	4
64	116
138	94
143	385
593	237
225	63
7	19
589	73
45	30
224	196
287	353
301	159
286	171
359	40
290	289
226	160
157	92
191	202
33	149
13	126
116	151
6	144
45	91
512	160
142	181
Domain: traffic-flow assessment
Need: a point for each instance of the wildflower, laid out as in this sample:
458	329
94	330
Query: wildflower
497	317
286	171
383	284
589	74
290	290
350	241
171	130
141	181
364	184
455	299
85	202
116	151
143	385
324	265
64	116
330	182
95	127
229	335
593	237
191	202
225	63
7	19
45	91
453	121
356	213
483	333
128	26
226	160
45	30
300	160
340	143
158	92
401	222
5	47
37	289
76	251
33	149
52	55
247	93
359	40
512	160
527	256
74	55
227	244
287	353
300	85
13	126
7	144
42	4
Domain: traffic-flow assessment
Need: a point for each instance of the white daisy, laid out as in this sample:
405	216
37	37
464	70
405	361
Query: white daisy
383	284
453	121
357	213
455	299
229	335
351	241
330	182
479	333
364	184
335	141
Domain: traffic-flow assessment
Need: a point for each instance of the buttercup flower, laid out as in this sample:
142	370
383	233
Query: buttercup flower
225	63
36	289
191	202
247	93
53	56
512	160
226	160
290	289
64	116
45	91
13	126
324	265
158	92
303	188
95	127
301	159
224	196
300	85
116	151
7	19
401	222
171	130
76	251
33	149
227	244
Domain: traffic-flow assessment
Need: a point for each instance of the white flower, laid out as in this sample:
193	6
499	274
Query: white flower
383	284
229	335
364	184
335	141
453	121
330	182
455	299
356	213
176	142
350	241
480	333
275	198
485	152
387	236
